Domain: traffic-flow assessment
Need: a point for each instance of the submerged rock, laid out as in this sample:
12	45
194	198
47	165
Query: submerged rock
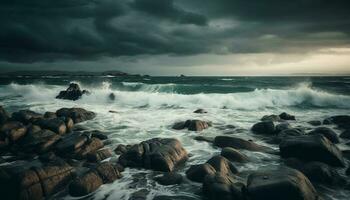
238	143
286	116
111	96
76	114
312	148
89	182
200	111
327	133
315	122
264	128
192	125
160	154
169	178
73	92
286	184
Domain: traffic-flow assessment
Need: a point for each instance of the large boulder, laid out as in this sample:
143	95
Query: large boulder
217	164
55	124
286	184
312	148
327	133
91	146
33	180
76	114
343	121
286	116
13	130
219	186
264	128
192	125
4	116
238	143
71	143
99	155
39	141
160	154
26	116
234	155
89	182
73	92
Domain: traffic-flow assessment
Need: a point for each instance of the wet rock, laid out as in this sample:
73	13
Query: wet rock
315	123
345	134
286	184
111	96
97	134
93	179
73	92
76	114
197	173
4	116
264	128
39	141
192	125
281	127
56	125
13	130
33	180
271	118
343	121
347	172
69	123
70	143
26	116
169	178
317	172
139	195
50	115
90	146
286	116
99	155
205	139
287	133
217	164
234	155
200	111
120	149
327	133
160	154
312	148
238	143
219	186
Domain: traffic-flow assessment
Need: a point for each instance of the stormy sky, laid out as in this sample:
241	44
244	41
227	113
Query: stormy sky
171	37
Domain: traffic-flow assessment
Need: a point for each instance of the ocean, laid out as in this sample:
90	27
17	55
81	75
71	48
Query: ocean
147	107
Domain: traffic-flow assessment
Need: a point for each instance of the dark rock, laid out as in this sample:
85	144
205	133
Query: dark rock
343	121
71	143
281	127
205	139
73	93
327	133
120	149
197	173
4	116
200	111
56	125
69	123
219	186
160	154
99	155
288	133
39	141
13	130
315	122
345	134
93	179
111	96
312	148
33	180
222	165
50	115
238	143
346	154
97	134
272	118
286	184
77	114
264	127
26	116
139	195
169	178
317	172
90	146
234	155
48	157
177	197
192	125
286	116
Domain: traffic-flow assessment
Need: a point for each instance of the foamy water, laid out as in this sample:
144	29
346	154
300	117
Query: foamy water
146	110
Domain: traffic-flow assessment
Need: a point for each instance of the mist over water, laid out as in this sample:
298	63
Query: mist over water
148	107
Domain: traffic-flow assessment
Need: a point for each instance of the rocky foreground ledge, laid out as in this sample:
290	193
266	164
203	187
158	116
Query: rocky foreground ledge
45	155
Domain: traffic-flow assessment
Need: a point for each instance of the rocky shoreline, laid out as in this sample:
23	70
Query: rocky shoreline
45	154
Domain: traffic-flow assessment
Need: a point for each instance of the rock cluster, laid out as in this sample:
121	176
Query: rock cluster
73	92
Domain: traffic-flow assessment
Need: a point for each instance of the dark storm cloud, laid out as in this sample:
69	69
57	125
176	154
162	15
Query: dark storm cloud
54	30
